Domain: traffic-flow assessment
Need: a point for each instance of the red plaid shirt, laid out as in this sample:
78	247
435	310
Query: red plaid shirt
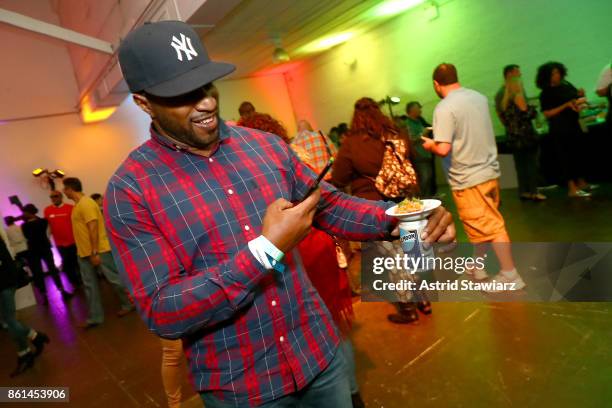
179	225
315	146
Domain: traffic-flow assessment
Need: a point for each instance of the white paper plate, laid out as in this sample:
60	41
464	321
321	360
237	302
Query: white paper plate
429	204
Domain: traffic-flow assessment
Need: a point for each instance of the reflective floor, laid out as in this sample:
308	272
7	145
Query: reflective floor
464	355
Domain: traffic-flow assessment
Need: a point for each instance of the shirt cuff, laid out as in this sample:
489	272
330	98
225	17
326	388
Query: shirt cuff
266	253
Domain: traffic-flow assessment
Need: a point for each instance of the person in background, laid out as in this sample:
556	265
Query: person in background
94	253
16	241
318	249
246	109
21	334
317	145
171	370
604	88
39	250
58	216
424	161
97	197
561	103
462	124
516	116
357	164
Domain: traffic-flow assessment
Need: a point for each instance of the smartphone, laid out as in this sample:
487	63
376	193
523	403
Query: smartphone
428	132
325	170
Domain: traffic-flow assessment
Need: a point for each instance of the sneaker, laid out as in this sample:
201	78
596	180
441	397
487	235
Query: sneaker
39	342
23	363
538	197
580	194
519	283
477	274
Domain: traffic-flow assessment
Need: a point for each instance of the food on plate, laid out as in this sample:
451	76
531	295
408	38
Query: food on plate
409	205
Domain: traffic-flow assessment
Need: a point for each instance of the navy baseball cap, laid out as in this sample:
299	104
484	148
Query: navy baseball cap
167	59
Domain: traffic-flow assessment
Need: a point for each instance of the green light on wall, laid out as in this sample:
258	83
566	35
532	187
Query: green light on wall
391	7
326	42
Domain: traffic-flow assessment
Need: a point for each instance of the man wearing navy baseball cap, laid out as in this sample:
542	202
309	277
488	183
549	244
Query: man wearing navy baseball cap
204	219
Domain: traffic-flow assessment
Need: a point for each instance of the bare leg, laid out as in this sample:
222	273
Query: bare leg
503	251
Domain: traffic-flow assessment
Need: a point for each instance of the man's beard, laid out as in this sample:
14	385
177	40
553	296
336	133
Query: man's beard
186	136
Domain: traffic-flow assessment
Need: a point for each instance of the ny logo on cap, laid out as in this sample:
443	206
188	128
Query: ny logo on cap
183	45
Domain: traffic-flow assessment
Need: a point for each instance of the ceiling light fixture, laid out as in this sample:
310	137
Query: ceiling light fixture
90	115
280	55
393	7
325	43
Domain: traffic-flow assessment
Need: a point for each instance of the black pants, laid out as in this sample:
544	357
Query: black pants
70	263
35	258
526	164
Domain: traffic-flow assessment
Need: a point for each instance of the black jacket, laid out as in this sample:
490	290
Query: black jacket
8	269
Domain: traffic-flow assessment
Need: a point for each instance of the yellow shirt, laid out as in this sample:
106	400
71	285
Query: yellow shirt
84	211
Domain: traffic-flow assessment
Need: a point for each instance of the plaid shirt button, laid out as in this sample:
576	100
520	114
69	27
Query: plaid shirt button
282	339
273	303
246	227
230	191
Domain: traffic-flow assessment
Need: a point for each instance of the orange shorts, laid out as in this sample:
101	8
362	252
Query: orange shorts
478	209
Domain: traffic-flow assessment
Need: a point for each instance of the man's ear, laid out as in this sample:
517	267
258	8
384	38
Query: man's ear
143	103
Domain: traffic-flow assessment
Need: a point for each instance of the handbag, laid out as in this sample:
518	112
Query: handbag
396	177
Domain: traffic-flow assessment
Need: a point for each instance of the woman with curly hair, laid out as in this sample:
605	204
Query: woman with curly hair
358	163
318	253
561	103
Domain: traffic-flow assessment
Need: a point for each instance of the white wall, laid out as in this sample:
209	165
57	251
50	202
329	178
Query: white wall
90	152
93	152
478	36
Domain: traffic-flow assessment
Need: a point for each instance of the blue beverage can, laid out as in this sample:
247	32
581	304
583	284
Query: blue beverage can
413	246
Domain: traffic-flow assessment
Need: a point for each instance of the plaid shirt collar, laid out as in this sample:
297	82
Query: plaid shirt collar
224	136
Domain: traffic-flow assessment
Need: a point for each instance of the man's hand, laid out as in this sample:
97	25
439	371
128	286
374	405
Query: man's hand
95	260
285	224
428	144
440	228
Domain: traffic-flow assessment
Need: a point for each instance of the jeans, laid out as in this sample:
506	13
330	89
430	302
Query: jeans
70	263
17	330
329	389
526	164
426	172
92	290
346	347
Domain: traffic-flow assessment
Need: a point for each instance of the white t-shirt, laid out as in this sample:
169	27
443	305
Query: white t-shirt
463	120
605	78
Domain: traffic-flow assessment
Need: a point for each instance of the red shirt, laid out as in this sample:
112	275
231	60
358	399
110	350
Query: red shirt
60	224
